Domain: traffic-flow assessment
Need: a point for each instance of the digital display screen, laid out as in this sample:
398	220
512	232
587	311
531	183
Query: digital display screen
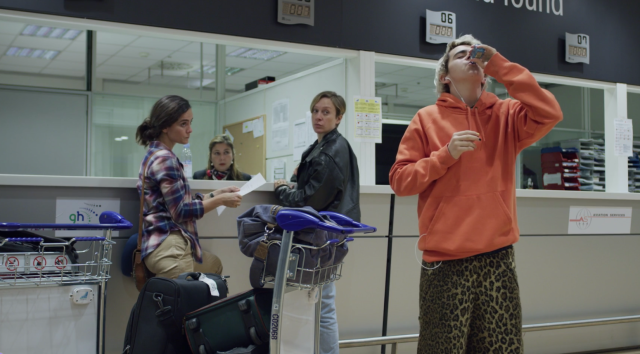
438	30
577	51
296	10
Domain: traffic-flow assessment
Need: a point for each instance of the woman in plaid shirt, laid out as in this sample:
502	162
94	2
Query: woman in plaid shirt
170	244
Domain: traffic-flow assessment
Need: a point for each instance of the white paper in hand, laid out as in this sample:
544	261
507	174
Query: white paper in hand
213	287
248	187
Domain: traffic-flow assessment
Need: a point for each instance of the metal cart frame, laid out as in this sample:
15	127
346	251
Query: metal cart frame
94	271
287	267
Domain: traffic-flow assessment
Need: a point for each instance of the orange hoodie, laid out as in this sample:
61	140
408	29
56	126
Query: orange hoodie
468	206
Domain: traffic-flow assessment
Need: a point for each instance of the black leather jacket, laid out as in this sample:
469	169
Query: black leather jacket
328	179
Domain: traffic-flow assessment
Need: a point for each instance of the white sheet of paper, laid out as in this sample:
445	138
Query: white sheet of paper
298	324
299	138
255	182
312	136
258	127
368	117
624	137
280	138
279	169
247	126
226	131
280	125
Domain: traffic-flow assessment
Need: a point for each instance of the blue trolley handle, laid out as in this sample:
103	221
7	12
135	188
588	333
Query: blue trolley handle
347	221
293	220
108	220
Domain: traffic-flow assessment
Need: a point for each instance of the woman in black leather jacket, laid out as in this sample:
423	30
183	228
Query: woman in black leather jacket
328	180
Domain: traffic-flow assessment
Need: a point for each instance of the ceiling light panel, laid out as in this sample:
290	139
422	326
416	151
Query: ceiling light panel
32	53
50	32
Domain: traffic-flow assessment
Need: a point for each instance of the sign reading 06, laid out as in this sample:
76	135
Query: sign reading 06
577	48
441	26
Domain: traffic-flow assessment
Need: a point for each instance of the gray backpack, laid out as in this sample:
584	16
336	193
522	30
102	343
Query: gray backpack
259	237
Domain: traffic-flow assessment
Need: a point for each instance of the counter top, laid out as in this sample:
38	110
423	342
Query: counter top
200	185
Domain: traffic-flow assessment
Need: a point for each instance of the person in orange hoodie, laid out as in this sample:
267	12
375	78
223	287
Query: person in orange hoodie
459	155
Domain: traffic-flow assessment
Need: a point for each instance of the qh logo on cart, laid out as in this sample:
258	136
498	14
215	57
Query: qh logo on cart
84	214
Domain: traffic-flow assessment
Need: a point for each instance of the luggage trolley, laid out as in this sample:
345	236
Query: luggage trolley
44	271
290	276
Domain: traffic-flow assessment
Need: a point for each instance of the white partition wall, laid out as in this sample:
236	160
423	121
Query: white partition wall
298	90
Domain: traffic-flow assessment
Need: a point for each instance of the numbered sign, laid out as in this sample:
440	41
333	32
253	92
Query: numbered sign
295	12
441	26
577	48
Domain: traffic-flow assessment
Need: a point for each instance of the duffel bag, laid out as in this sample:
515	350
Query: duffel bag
258	236
156	321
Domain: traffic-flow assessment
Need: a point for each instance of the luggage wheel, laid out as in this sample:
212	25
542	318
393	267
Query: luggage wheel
254	336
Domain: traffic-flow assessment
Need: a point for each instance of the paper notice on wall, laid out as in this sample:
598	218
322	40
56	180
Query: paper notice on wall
300	142
278	169
624	137
258	127
279	138
312	136
228	133
599	220
368	119
280	126
253	184
247	127
84	211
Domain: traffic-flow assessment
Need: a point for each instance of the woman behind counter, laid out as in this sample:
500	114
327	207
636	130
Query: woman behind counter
221	165
328	180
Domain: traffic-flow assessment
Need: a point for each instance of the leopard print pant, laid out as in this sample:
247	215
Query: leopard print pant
471	305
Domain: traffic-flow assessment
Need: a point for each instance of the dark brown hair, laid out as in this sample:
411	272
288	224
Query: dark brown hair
234	173
163	114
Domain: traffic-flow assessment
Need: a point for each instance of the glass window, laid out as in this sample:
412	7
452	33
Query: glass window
582	128
138	65
37	54
633	112
404	91
114	151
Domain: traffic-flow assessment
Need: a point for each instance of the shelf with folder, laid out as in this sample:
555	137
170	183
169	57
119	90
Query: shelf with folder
591	162
561	169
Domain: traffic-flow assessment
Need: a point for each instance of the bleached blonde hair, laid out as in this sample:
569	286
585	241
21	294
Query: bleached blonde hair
443	63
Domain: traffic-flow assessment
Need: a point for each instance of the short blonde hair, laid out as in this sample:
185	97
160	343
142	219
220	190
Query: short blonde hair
443	63
337	100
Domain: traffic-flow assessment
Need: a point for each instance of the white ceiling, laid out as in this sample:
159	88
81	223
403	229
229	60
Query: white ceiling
129	57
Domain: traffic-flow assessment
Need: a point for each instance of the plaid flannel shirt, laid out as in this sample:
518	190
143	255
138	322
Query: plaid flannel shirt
168	204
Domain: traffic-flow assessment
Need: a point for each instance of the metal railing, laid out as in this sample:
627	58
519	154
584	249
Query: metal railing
407	338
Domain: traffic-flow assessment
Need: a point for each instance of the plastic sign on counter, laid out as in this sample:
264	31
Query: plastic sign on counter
599	220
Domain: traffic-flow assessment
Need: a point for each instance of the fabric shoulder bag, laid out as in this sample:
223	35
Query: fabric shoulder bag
140	271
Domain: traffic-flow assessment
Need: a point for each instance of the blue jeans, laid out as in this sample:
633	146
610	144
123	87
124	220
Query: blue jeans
329	321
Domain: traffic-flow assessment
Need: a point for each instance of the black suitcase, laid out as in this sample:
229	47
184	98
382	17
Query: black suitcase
155	323
237	324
